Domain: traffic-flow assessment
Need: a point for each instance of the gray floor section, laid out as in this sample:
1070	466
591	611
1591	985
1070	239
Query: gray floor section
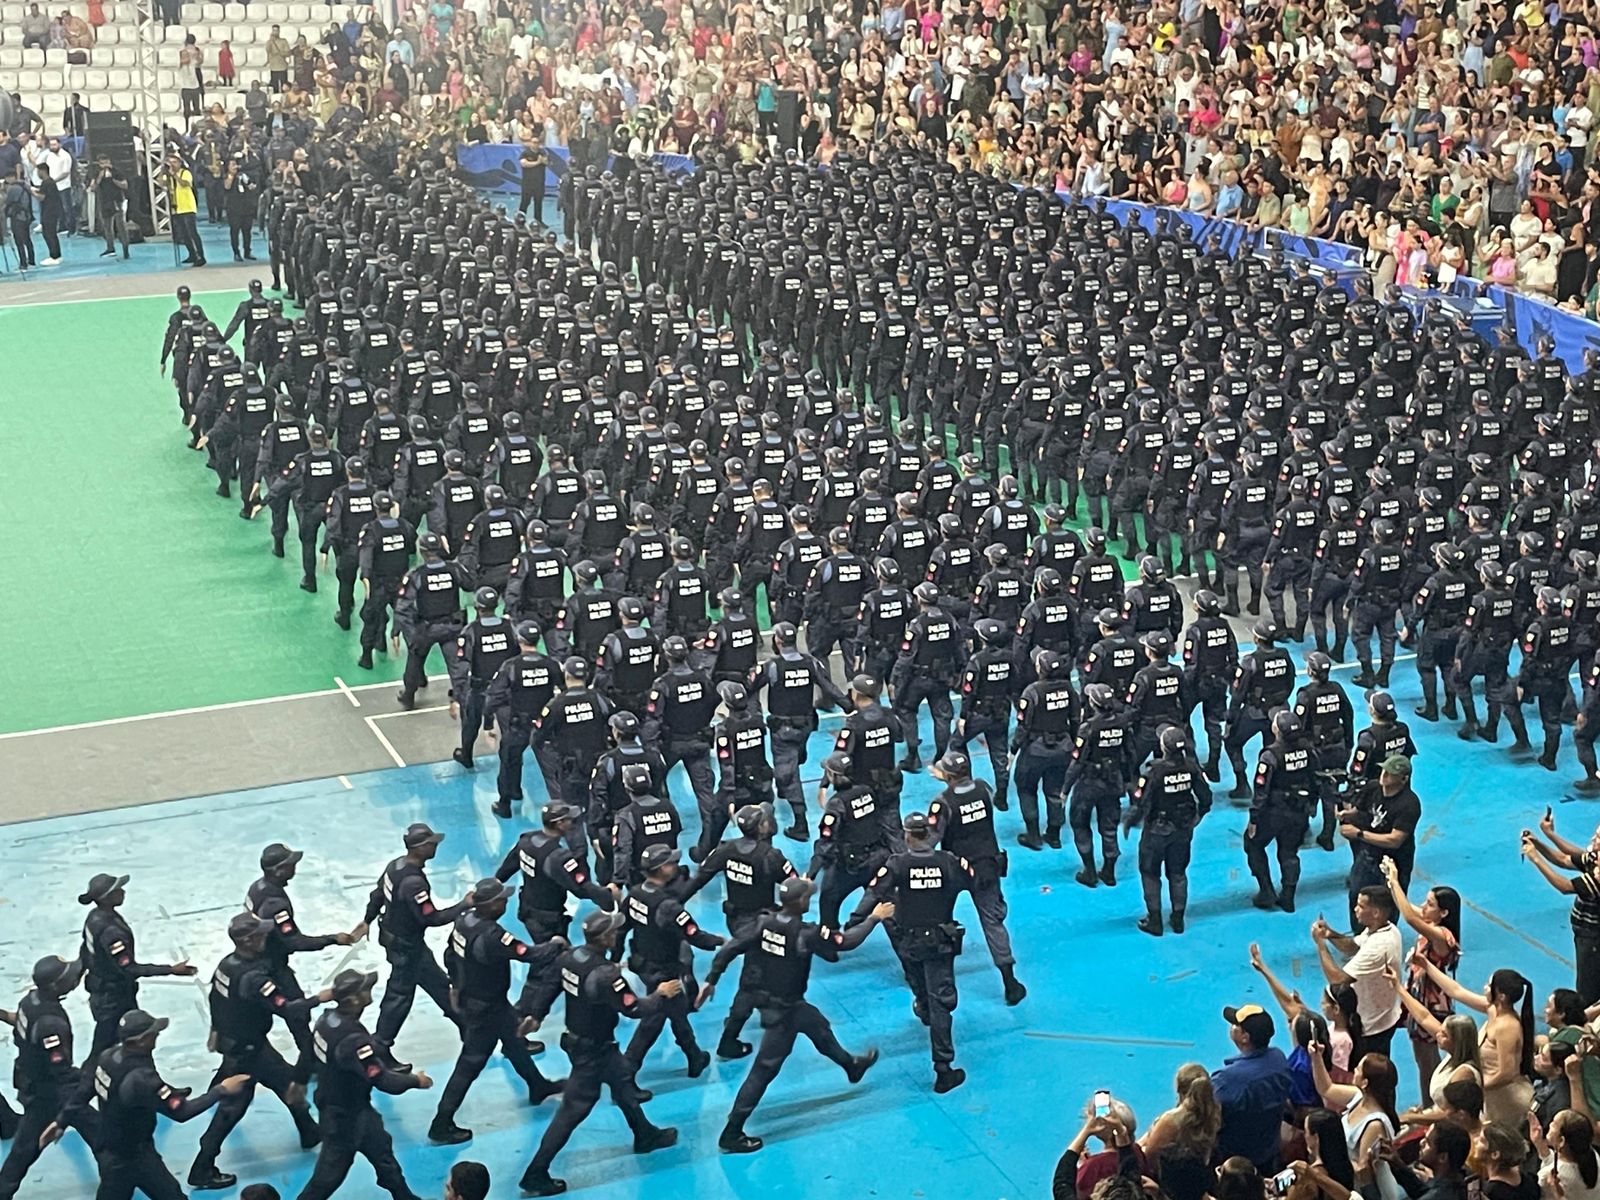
200	753
232	748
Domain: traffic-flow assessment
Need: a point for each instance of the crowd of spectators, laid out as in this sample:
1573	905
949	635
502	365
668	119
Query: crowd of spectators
1442	143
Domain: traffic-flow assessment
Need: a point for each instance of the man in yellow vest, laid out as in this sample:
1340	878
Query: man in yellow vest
179	182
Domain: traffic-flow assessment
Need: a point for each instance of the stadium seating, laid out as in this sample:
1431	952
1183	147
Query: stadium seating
109	80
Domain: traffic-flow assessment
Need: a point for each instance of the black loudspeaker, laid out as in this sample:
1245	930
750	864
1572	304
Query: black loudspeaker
788	115
111	134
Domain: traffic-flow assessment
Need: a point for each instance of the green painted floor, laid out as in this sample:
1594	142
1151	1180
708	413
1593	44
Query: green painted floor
129	587
167	600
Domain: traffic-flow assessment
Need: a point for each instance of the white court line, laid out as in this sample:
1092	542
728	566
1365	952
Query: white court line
349	695
21	300
408	712
203	708
349	787
384	742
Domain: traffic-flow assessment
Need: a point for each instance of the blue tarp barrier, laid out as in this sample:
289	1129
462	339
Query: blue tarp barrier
498	167
495	168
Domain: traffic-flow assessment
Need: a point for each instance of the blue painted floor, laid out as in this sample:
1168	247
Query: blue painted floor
1108	1006
81	260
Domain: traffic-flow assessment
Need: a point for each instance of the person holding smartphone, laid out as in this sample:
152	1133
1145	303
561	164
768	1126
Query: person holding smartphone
111	202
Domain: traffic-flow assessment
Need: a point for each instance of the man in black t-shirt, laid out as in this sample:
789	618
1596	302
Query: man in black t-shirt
1381	822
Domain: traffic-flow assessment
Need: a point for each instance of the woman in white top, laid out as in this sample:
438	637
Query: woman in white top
1569	1168
1366	1108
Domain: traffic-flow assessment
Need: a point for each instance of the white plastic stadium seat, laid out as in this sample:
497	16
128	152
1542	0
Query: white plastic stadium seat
27	81
94	80
119	80
10	57
243	34
124	56
33	57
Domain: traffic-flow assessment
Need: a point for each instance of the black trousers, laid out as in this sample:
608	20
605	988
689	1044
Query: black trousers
1288	830
239	233
1040	767
186	235
410	968
908	701
933	984
50	216
1164	849
482	1029
781	1024
36	1115
266	1067
419	645
788	752
126	1170
22	237
674	1012
593	1065
375	609
345	1134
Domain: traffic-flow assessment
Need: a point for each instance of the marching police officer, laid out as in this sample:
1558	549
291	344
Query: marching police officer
1547	654
1262	683
403	904
1484	648
1210	663
479	960
517	694
596	995
131	1094
552	869
777	969
243	1000
1373	600
1324	712
46	1077
961	820
1285	795
1156	695
791	680
1096	778
571	732
626	663
926	670
480	649
268	898
647	819
753	869
383	558
112	969
1433	625
351	1063
922	882
988	689
662	937
678	722
427	612
1047	721
1170	799
851	840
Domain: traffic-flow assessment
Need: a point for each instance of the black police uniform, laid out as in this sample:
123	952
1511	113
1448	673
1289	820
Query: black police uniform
926	670
923	885
479	959
678	720
1047	720
777	969
551	871
1169	800
1263	682
1097	776
352	1064
661	934
112	975
571	734
596	996
480	649
402	904
131	1094
243	1000
517	695
791	680
988	690
851	847
1284	797
46	1080
961	818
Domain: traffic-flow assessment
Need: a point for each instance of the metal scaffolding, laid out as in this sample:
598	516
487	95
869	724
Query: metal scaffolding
151	33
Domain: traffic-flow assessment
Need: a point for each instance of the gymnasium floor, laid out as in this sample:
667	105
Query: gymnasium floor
153	649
